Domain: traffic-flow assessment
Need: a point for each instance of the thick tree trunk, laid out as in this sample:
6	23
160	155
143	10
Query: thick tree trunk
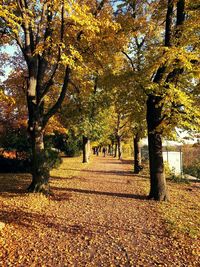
119	147
137	154
40	170
85	149
158	189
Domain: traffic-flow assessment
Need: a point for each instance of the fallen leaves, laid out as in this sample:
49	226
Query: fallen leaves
95	218
182	213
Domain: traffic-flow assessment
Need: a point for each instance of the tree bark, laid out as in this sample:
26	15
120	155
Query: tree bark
109	149
40	170
158	189
88	149
119	147
137	154
112	148
85	149
115	151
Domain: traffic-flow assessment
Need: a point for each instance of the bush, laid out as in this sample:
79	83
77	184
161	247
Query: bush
52	159
72	148
168	171
14	165
16	139
69	144
193	170
178	179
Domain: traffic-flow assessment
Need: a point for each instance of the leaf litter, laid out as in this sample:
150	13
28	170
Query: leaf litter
97	216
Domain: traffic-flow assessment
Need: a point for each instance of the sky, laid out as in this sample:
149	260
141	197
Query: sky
10	49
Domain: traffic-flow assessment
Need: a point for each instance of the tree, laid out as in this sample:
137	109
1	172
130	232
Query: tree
53	37
89	114
162	110
168	71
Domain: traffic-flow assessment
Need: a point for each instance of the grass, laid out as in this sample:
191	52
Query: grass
182	212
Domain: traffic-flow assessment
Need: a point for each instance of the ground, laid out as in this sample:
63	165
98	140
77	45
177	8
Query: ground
98	216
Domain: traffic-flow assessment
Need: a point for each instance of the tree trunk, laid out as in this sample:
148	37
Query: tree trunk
137	154
109	149
119	147
85	149
115	151
112	148
158	189
88	149
40	170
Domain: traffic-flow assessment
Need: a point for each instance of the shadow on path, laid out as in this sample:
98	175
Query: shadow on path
124	173
12	184
113	194
109	160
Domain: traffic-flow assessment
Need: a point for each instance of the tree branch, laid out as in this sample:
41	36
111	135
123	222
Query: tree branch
130	59
99	7
50	82
58	103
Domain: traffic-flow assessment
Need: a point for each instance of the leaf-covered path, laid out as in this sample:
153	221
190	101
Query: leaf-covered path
97	217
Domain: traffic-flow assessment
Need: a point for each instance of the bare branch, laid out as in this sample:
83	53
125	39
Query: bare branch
130	59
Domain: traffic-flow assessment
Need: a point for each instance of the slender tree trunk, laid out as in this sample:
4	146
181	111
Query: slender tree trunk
112	148
109	149
119	147
85	149
137	154
88	149
115	151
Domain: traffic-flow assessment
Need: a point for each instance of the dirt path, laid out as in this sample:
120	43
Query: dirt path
99	217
